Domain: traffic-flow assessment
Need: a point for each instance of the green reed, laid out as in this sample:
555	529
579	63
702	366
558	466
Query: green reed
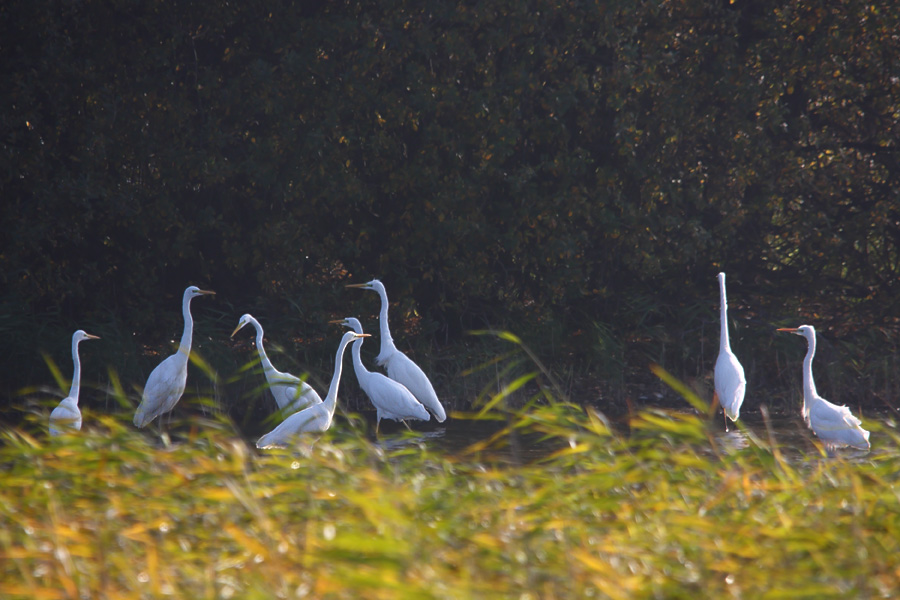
665	506
668	511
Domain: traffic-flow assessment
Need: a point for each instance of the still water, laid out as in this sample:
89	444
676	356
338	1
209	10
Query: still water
462	438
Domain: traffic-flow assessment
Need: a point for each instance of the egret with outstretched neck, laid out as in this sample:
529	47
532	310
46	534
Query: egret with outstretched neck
318	417
729	379
391	399
834	425
291	393
400	367
67	416
167	381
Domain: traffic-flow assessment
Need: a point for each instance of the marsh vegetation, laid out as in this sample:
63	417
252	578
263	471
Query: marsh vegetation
527	496
668	509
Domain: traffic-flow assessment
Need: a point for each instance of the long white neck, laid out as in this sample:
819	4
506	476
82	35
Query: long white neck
331	399
387	342
76	376
358	366
186	337
809	385
723	316
266	363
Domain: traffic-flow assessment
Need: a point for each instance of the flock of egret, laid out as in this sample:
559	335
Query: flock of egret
391	398
407	393
317	417
833	424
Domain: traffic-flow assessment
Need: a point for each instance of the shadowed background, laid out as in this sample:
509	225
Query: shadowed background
574	172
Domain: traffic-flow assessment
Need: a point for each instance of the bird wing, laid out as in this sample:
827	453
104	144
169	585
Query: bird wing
392	399
276	377
837	425
163	390
403	370
65	417
296	398
730	384
291	393
311	420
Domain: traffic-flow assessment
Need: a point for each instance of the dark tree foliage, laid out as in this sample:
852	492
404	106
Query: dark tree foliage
564	162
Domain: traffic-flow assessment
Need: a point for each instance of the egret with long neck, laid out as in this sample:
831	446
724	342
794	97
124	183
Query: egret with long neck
391	399
834	425
400	367
729	379
291	393
167	381
318	417
67	416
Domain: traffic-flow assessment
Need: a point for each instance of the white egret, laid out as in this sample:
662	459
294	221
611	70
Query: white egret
391	399
729	377
291	393
67	416
400	367
167	381
833	424
316	418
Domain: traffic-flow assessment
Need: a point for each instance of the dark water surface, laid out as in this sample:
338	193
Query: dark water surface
460	438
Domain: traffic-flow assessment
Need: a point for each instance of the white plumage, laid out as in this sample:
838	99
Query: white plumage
291	393
316	418
167	381
730	382
834	425
391	399
400	367
67	416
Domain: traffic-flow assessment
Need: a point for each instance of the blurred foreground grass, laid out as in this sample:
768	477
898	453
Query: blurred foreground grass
665	512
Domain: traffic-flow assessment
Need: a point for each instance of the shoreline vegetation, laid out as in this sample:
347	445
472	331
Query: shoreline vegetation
669	508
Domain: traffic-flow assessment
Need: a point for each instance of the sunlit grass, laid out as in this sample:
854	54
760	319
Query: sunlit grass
668	511
662	506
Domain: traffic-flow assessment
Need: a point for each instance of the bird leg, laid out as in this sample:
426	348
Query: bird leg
163	430
407	424
712	409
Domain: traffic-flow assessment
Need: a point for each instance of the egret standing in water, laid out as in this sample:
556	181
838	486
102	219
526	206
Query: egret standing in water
291	393
391	399
400	367
67	416
729	377
167	381
833	424
318	417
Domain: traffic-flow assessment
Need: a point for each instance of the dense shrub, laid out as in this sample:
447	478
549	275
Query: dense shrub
565	162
